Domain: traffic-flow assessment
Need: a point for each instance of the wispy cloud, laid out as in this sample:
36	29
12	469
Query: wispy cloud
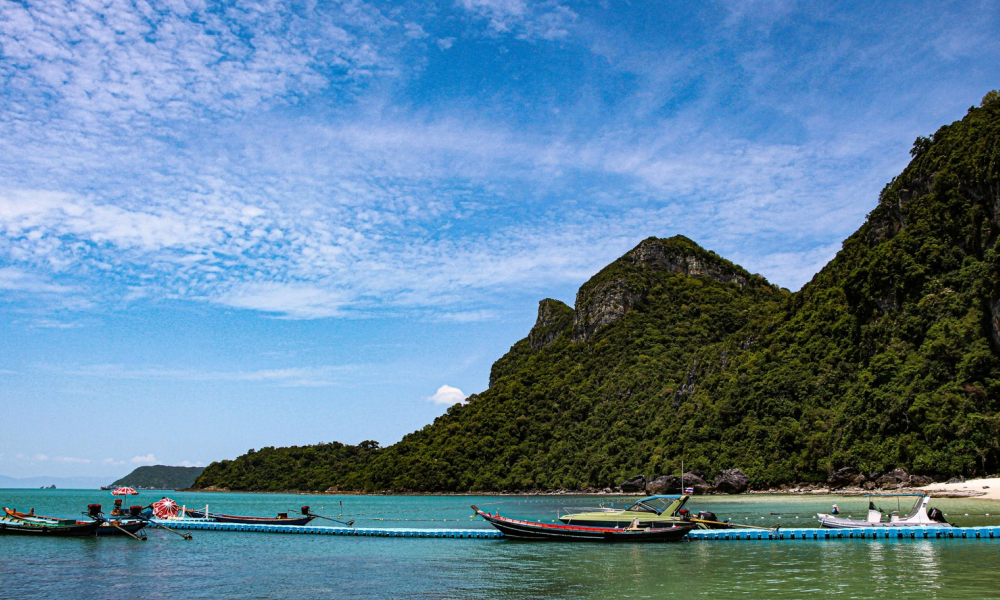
526	19
18	280
179	61
225	176
289	377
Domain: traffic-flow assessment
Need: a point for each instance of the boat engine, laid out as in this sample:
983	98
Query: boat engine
135	510
936	515
684	514
93	511
706	515
305	510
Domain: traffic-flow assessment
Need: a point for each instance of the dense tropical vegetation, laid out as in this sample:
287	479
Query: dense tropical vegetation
889	357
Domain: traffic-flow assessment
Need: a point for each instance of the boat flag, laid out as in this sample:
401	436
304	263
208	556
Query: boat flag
689	490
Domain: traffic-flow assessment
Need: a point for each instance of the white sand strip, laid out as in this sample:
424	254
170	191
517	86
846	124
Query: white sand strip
987	489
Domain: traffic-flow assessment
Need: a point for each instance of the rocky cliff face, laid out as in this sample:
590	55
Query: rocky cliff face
554	317
682	256
625	283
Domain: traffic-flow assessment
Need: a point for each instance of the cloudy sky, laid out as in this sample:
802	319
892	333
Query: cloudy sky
226	226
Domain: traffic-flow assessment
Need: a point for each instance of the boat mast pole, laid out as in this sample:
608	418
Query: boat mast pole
682	476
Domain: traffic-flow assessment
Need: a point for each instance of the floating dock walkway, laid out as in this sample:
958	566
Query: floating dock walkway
803	534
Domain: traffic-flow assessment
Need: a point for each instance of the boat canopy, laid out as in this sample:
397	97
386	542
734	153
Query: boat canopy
659	504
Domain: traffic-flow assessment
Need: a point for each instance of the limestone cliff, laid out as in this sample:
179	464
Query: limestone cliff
623	284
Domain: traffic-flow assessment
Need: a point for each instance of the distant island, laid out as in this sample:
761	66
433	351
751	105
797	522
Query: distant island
160	477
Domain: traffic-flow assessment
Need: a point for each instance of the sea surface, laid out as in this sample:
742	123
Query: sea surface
223	565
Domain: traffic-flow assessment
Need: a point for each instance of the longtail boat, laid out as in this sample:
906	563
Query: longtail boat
918	516
10	525
533	530
109	526
281	519
652	511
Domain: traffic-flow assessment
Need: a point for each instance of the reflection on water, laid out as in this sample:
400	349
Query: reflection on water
225	565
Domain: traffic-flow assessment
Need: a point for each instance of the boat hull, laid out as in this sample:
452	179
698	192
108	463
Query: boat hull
221	518
16	527
132	527
529	530
841	523
622	519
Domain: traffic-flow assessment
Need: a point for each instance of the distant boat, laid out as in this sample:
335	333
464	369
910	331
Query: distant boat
281	519
10	525
652	511
532	530
919	515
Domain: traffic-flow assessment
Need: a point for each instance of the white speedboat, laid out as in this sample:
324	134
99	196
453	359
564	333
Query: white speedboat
919	515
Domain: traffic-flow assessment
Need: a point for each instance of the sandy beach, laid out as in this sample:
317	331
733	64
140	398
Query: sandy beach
986	489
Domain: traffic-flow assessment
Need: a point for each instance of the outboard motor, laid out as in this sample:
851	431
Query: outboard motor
135	510
305	510
684	514
94	511
935	514
282	515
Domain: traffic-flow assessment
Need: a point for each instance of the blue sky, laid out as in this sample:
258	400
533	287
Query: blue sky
226	226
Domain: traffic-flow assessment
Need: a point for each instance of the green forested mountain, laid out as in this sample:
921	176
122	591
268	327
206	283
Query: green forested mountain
887	358
161	477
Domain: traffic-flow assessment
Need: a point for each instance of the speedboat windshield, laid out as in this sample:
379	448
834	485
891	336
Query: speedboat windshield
658	504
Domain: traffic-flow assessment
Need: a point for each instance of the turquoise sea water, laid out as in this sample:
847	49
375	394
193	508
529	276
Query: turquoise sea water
255	565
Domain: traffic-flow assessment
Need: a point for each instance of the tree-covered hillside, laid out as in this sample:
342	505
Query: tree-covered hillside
160	477
887	358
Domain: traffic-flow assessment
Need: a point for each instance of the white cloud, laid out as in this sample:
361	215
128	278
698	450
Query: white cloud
187	463
448	395
112	461
148	459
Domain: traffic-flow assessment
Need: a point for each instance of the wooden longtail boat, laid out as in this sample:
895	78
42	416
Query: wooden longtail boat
109	526
10	525
532	530
281	519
